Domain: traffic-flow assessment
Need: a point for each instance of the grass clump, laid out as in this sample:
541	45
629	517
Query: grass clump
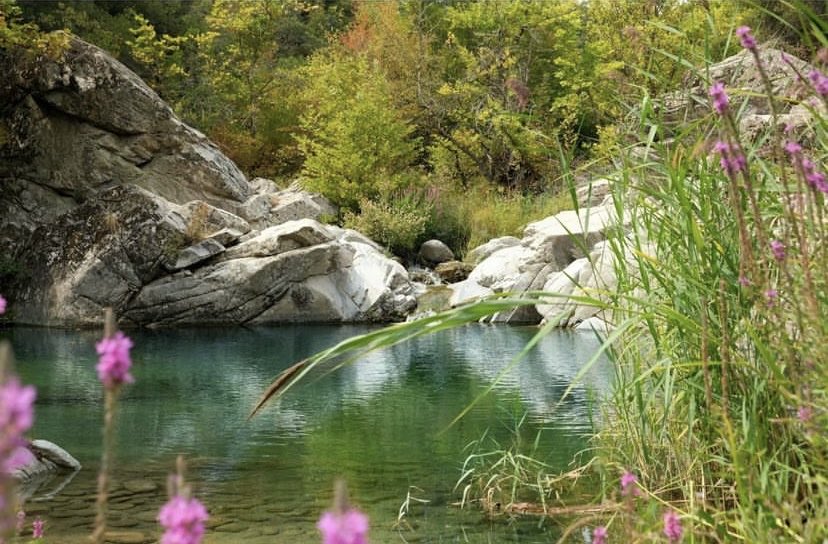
720	403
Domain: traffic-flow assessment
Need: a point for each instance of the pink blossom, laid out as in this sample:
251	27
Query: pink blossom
805	413
2	305
793	148
672	526
19	457
744	281
820	82
348	528
16	412
183	520
719	96
114	361
746	38
771	295
628	480
732	161
599	535
37	528
778	250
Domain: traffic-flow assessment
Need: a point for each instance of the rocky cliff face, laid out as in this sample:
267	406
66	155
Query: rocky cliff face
107	199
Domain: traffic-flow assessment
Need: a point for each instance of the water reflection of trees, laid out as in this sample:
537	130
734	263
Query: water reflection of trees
194	387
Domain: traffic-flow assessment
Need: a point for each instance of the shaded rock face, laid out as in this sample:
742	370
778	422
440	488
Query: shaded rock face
86	122
109	200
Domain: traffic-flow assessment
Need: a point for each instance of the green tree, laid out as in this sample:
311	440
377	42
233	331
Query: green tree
357	145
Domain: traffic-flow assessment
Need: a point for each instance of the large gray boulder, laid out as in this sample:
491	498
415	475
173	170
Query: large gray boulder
740	73
40	463
296	272
271	206
131	250
86	120
481	252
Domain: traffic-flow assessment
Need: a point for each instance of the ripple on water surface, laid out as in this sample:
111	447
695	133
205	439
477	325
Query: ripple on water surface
377	423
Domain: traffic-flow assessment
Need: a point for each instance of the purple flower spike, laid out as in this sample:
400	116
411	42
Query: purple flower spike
599	535
778	250
746	38
348	528
820	82
2	305
732	161
183	520
771	295
114	362
793	149
628	481
37	528
16	412
719	96
672	526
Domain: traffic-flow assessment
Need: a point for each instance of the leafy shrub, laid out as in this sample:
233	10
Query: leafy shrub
397	224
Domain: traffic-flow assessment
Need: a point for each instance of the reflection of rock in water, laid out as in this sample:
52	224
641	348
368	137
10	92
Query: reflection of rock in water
545	373
46	472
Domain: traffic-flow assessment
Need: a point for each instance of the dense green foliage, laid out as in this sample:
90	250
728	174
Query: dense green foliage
363	99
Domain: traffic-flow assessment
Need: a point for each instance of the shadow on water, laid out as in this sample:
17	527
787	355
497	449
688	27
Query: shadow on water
376	423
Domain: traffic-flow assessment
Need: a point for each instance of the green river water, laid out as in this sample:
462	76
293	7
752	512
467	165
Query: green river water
376	423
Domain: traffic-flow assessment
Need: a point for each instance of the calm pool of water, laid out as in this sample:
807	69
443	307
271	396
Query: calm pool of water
376	423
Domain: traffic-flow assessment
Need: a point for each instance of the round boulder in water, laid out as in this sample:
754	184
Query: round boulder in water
435	252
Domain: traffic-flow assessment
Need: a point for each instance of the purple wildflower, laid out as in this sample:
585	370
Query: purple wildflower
778	250
746	38
16	413
820	82
805	413
732	161
672	526
814	177
21	456
183	520
628	481
37	528
114	362
719	96
599	535
793	148
744	281
771	295
348	528
2	305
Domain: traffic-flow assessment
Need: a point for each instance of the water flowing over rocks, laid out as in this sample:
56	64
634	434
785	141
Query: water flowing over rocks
109	200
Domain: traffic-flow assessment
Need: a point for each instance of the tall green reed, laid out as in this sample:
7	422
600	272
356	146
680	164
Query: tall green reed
720	401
